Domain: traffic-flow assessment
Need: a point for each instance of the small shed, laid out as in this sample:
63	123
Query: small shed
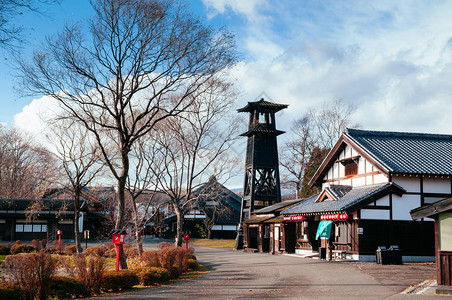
441	212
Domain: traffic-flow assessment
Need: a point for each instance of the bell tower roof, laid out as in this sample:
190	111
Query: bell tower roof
262	106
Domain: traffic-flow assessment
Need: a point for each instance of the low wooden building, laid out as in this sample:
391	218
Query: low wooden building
265	230
370	181
441	212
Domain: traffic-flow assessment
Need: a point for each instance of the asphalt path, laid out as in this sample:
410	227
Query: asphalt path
239	275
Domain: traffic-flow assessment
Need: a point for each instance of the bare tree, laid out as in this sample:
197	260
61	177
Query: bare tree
297	152
26	170
80	159
331	121
312	136
194	146
120	81
9	9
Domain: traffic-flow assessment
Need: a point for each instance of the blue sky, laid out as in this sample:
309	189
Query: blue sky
392	59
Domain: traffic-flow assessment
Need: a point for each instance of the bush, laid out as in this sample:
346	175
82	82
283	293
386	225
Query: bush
49	250
152	275
193	264
65	287
32	272
71	249
89	271
151	258
94	251
119	280
19	248
164	245
5	250
110	253
10	291
131	252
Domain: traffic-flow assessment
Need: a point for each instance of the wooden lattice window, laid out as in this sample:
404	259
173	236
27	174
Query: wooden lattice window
351	168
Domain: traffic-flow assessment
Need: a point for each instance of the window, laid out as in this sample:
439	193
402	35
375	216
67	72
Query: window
351	168
31	227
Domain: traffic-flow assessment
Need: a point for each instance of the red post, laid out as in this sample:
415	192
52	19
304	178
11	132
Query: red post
186	238
117	257
59	232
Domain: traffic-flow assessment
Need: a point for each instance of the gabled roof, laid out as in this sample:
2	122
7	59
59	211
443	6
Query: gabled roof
395	152
356	198
12	204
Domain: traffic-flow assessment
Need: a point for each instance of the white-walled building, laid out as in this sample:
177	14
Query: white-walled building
370	181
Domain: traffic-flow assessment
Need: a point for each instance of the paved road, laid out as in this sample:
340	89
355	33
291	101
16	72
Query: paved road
238	275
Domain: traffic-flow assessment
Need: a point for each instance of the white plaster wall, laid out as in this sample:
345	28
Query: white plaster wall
410	184
436	185
346	182
384	201
380	178
374	214
359	181
401	206
368	167
361	165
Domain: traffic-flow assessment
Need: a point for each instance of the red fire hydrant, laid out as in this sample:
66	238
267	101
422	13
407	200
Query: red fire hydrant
118	239
186	238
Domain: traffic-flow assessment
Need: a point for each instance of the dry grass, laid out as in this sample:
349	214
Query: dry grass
213	243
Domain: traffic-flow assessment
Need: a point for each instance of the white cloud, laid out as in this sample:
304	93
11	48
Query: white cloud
393	60
248	8
32	118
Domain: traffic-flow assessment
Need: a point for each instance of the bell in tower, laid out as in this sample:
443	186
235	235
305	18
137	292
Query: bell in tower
261	187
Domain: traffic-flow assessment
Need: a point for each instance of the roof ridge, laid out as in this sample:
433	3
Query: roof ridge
361	132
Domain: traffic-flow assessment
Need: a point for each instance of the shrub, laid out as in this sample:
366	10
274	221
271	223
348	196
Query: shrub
10	291
151	258
65	287
32	272
5	250
193	264
18	248
131	252
164	245
71	249
174	272
89	271
94	251
152	275
119	280
49	250
110	253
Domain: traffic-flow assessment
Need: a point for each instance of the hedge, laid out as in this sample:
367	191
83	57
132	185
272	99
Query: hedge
16	249
10	291
119	280
152	275
65	287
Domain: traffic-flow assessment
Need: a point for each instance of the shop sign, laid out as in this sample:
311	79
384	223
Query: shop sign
334	217
294	218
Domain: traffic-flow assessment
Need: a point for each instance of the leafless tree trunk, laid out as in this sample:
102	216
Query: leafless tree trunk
120	81
194	146
80	159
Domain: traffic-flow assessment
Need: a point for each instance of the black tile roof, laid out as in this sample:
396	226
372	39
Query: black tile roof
410	153
48	204
348	202
277	206
262	105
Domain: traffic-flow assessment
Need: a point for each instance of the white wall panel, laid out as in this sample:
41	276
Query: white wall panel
374	214
380	178
359	181
410	184
384	201
436	185
401	206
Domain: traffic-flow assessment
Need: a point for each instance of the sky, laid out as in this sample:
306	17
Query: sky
391	59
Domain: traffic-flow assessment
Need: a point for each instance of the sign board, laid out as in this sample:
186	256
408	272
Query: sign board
59	232
118	239
294	218
186	237
360	230
334	217
86	234
324	230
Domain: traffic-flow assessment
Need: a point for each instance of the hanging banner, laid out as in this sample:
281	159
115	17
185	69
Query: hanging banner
334	217
294	218
324	230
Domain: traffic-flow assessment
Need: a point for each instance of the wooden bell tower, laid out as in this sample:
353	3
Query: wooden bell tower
261	186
